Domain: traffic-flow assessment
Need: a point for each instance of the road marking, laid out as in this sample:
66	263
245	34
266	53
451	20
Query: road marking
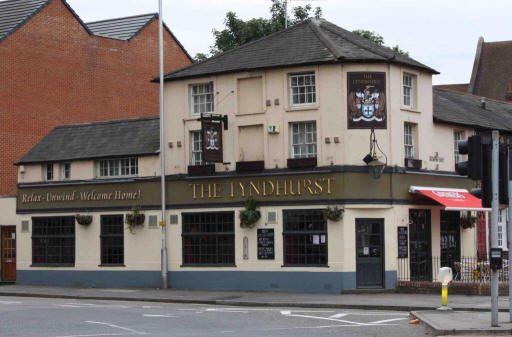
338	315
388	320
95	335
326	326
10	302
228	310
117	327
152	306
156	315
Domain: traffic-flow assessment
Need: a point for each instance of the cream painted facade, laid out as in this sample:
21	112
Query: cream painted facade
253	101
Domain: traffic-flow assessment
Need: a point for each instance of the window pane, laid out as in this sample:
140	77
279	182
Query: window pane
303	140
53	240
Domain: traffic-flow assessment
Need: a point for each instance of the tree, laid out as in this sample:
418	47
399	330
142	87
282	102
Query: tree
239	32
200	57
378	39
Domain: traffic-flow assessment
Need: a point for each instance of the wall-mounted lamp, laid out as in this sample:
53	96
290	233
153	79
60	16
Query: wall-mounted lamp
375	166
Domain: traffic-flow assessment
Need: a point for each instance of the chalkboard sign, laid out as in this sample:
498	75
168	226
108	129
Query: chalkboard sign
265	243
402	242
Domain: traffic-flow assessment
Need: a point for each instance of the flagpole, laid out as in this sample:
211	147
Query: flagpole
162	146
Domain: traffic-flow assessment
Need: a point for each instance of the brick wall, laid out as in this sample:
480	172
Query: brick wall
53	72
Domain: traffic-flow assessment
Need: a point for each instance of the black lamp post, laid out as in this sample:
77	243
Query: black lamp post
375	166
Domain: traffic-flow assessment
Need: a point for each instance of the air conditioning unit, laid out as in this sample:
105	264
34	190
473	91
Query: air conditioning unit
273	128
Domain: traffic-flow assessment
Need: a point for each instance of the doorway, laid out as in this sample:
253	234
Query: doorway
450	238
8	247
420	245
370	253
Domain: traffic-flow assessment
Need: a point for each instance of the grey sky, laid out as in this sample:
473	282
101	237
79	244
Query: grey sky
441	34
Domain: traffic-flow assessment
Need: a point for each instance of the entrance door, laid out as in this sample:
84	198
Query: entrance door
8	253
420	245
450	238
370	253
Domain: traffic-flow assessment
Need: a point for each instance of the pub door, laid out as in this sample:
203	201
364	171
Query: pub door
370	253
8	247
450	238
420	241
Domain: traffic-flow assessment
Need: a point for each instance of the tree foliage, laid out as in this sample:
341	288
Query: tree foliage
378	39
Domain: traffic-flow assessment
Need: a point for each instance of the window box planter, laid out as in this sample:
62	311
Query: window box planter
201	170
297	163
248	166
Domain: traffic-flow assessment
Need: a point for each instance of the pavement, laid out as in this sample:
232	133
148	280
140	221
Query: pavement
365	300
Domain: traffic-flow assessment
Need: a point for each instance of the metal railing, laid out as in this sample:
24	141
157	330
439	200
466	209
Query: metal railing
465	269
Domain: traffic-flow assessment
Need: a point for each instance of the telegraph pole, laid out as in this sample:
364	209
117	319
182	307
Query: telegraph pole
162	146
509	226
494	229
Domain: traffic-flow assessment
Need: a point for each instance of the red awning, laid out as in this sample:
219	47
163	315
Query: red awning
453	199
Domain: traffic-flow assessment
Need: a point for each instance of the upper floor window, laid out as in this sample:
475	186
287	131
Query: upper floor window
302	89
457	135
303	139
48	172
196	149
409	135
408	84
201	98
66	171
122	167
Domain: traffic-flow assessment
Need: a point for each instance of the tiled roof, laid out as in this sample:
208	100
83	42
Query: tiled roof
312	42
15	13
492	72
465	109
121	28
126	137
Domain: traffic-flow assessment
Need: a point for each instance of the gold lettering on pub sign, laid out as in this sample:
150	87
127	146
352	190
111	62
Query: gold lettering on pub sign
264	188
92	195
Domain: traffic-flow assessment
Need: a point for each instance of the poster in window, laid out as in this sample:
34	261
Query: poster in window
366	100
212	140
402	242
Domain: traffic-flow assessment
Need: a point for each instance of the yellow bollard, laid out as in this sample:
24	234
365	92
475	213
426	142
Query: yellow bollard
444	295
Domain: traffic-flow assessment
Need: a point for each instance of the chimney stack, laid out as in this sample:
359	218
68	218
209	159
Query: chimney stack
482	102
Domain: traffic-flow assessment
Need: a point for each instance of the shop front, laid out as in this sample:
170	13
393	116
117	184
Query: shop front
324	230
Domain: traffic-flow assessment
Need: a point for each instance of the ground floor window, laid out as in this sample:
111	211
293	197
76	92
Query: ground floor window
53	240
305	238
112	240
208	238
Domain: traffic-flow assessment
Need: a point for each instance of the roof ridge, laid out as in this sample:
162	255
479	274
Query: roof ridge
236	48
123	17
357	43
325	39
113	121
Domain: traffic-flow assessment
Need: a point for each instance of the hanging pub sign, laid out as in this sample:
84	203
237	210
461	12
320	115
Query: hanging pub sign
366	100
211	131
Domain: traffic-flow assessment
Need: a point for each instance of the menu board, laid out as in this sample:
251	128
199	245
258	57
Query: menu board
402	242
265	243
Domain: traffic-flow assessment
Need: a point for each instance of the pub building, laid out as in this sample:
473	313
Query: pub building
332	140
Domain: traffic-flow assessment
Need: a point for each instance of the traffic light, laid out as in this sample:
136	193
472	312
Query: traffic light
503	182
473	166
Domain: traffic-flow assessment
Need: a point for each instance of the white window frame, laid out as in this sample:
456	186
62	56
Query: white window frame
409	134
408	90
196	148
307	146
457	135
118	167
297	89
205	98
63	170
48	172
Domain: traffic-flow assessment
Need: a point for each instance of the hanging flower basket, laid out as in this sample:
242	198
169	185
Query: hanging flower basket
333	213
250	215
467	220
84	220
135	218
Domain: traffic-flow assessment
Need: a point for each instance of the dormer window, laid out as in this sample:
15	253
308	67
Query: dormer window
119	167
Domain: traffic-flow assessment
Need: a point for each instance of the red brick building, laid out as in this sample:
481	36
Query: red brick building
56	69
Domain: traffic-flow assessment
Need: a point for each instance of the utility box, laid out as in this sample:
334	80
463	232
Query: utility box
445	275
